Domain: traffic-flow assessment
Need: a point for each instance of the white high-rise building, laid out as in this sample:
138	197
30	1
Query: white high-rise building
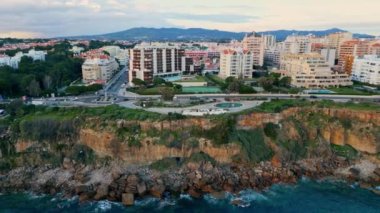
311	71
366	69
255	44
236	63
99	70
269	41
122	55
5	60
297	44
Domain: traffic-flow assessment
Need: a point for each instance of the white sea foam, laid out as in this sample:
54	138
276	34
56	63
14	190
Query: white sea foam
146	201
185	197
250	196
103	206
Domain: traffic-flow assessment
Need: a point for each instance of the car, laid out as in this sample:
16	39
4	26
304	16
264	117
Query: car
313	97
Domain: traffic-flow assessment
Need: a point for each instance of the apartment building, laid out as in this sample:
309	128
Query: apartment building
366	69
297	44
5	60
150	60
334	40
310	70
348	51
236	63
99	70
15	60
272	56
374	48
329	55
254	43
269	41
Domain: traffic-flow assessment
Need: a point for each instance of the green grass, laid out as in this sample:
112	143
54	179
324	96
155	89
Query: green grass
215	79
253	145
276	106
348	91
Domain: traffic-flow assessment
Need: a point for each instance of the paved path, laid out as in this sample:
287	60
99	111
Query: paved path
166	110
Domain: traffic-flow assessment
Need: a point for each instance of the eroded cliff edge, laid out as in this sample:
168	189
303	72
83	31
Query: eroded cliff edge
117	158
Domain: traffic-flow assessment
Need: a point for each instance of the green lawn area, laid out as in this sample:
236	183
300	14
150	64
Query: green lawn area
201	90
349	91
216	79
194	79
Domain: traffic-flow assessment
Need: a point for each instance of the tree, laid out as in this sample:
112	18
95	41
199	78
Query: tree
138	82
234	85
34	88
158	81
167	93
285	81
266	83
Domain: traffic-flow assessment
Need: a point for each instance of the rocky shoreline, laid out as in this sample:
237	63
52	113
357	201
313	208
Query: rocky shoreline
119	183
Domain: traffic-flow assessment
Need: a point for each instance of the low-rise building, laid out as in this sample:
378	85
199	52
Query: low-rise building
366	69
312	71
236	63
99	70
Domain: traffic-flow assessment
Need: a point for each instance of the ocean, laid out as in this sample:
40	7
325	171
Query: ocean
306	196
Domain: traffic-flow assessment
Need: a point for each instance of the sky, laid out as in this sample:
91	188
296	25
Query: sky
52	18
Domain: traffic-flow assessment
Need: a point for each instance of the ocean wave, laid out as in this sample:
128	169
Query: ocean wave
103	206
147	201
33	196
251	195
185	197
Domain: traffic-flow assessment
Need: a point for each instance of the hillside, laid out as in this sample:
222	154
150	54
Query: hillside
198	34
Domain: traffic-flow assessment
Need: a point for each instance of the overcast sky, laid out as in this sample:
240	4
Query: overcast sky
49	18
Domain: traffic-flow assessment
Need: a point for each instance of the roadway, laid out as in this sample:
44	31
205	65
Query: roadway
114	85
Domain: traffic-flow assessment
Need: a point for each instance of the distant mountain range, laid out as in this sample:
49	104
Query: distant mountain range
198	34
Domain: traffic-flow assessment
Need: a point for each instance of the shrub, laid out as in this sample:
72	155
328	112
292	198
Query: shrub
200	157
344	151
270	130
165	164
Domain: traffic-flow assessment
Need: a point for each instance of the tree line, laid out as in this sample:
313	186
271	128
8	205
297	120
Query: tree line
38	78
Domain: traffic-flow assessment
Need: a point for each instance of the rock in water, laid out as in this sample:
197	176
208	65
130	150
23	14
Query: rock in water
101	192
128	199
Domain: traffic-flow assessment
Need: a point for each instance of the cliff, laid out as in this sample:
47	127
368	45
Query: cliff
119	158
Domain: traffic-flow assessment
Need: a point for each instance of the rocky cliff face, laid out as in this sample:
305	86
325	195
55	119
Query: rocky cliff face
359	129
106	144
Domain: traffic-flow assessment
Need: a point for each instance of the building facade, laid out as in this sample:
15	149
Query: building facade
366	69
149	61
334	40
329	55
235	63
348	51
297	44
254	43
311	71
99	70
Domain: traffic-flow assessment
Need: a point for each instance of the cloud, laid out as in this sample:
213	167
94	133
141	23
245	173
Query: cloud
218	18
51	18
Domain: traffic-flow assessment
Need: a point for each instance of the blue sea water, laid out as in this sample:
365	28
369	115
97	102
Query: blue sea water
306	196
